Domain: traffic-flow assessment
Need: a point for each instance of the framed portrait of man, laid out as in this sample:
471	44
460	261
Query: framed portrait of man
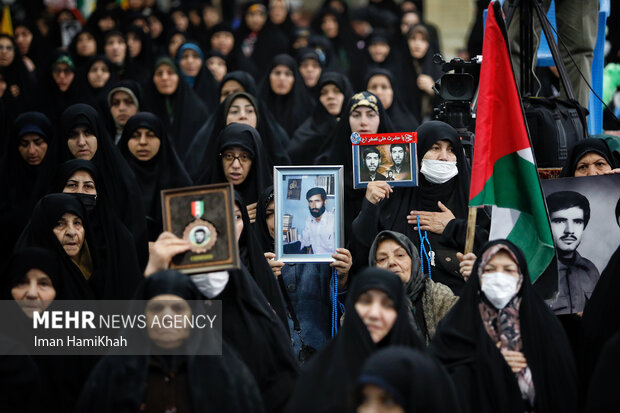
390	157
309	220
202	215
584	214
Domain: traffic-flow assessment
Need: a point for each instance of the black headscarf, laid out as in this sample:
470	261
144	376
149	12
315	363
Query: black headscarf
205	142
183	113
60	378
95	97
26	259
308	53
414	380
120	383
113	243
81	60
392	212
314	131
39	233
260	175
249	86
293	108
52	101
401	117
343	51
483	379
264	237
269	41
254	261
127	69
337	151
392	63
24	184
119	179
204	84
38	51
331	373
163	171
141	63
236	60
581	149
16	74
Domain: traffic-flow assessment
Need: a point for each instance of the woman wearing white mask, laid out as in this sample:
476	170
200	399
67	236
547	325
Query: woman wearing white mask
502	346
439	202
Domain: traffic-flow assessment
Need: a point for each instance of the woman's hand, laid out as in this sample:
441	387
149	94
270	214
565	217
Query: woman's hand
376	191
515	359
161	252
434	222
466	263
276	266
613	171
342	264
425	84
252	212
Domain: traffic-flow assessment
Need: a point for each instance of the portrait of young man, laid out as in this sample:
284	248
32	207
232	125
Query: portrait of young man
569	214
318	235
400	157
371	159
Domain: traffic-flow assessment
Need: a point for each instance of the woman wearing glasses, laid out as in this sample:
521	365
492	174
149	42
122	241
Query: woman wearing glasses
242	162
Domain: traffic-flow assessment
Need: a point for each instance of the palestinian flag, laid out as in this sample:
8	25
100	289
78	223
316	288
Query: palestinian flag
504	171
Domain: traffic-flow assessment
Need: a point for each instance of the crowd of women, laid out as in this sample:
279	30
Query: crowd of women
96	121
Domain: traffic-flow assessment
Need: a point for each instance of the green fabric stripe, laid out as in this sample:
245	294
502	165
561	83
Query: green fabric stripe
512	177
537	253
514	184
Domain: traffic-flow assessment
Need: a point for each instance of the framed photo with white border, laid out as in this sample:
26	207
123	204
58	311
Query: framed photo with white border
308	212
390	157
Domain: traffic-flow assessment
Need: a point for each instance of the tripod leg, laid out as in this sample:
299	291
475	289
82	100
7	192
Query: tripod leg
577	25
515	41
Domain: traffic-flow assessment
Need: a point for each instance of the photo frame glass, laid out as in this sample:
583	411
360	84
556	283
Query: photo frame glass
308	213
202	215
390	157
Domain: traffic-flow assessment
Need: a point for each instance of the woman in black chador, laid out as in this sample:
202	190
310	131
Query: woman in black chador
502	346
172	375
440	200
84	136
150	155
376	317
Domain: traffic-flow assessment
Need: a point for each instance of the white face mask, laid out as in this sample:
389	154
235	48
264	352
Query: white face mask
211	284
499	288
438	172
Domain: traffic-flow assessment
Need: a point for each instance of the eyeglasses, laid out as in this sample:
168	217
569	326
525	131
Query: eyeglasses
230	157
7	48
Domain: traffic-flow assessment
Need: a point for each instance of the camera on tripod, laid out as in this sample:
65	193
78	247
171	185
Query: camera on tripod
456	91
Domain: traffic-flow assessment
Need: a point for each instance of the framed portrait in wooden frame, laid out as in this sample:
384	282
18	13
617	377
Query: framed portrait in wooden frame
308	209
202	215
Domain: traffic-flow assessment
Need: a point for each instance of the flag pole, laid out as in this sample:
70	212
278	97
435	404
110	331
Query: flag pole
471	230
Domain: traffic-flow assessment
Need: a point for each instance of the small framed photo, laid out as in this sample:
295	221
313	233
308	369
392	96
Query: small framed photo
202	215
308	212
390	157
